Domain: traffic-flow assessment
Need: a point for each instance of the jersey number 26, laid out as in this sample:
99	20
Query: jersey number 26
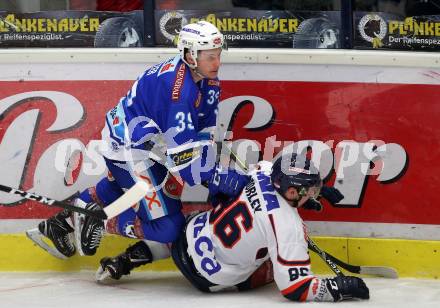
230	221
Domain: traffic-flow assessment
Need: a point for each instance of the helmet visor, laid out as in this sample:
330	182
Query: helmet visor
311	191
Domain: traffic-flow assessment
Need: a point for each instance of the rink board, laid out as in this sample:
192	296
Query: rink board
410	258
53	96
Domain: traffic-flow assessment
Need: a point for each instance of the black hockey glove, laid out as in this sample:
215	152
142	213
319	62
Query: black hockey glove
347	287
313	204
331	194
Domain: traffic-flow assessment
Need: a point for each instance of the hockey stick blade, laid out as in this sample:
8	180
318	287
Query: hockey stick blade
127	200
51	202
380	271
237	159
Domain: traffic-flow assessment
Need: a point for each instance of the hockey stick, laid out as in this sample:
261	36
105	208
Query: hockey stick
237	159
331	261
381	271
130	197
324	256
312	245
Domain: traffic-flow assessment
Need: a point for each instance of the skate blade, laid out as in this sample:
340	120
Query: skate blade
102	275
37	237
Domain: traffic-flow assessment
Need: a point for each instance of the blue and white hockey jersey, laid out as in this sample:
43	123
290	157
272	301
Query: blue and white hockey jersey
166	112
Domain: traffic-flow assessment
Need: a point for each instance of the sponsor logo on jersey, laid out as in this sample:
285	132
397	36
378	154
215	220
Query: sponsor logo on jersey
118	128
152	201
153	69
168	66
178	83
184	157
113	112
212	82
173	188
322	292
204	247
198	100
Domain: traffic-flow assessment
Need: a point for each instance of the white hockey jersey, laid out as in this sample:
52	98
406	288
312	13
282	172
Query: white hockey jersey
229	243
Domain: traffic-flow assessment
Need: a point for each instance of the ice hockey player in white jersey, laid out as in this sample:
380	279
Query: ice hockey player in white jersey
253	240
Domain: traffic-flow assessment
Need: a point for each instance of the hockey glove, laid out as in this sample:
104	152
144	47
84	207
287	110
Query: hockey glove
227	182
347	287
331	194
313	204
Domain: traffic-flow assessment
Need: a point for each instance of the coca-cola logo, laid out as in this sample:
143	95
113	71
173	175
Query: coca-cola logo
351	161
18	144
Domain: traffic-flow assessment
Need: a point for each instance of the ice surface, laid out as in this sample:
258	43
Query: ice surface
171	290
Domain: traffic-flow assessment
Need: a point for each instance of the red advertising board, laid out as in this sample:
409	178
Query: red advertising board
403	116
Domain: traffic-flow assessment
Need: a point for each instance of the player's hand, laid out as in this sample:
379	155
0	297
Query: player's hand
312	204
227	182
347	287
331	194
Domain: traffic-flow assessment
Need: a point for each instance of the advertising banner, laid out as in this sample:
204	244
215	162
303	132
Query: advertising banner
378	142
257	28
70	29
381	30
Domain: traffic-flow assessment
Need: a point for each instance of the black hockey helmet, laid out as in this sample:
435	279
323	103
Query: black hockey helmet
297	171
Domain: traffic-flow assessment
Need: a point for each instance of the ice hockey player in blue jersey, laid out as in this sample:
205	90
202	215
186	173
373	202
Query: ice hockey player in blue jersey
162	128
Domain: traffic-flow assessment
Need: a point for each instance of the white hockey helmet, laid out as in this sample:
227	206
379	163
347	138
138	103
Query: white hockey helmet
197	36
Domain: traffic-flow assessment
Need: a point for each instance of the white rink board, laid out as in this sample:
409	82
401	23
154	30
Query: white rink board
239	64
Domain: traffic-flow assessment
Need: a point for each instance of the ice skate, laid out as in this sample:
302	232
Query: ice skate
57	231
88	230
134	256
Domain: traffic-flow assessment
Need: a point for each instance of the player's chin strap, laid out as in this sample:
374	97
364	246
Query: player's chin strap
193	68
196	71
